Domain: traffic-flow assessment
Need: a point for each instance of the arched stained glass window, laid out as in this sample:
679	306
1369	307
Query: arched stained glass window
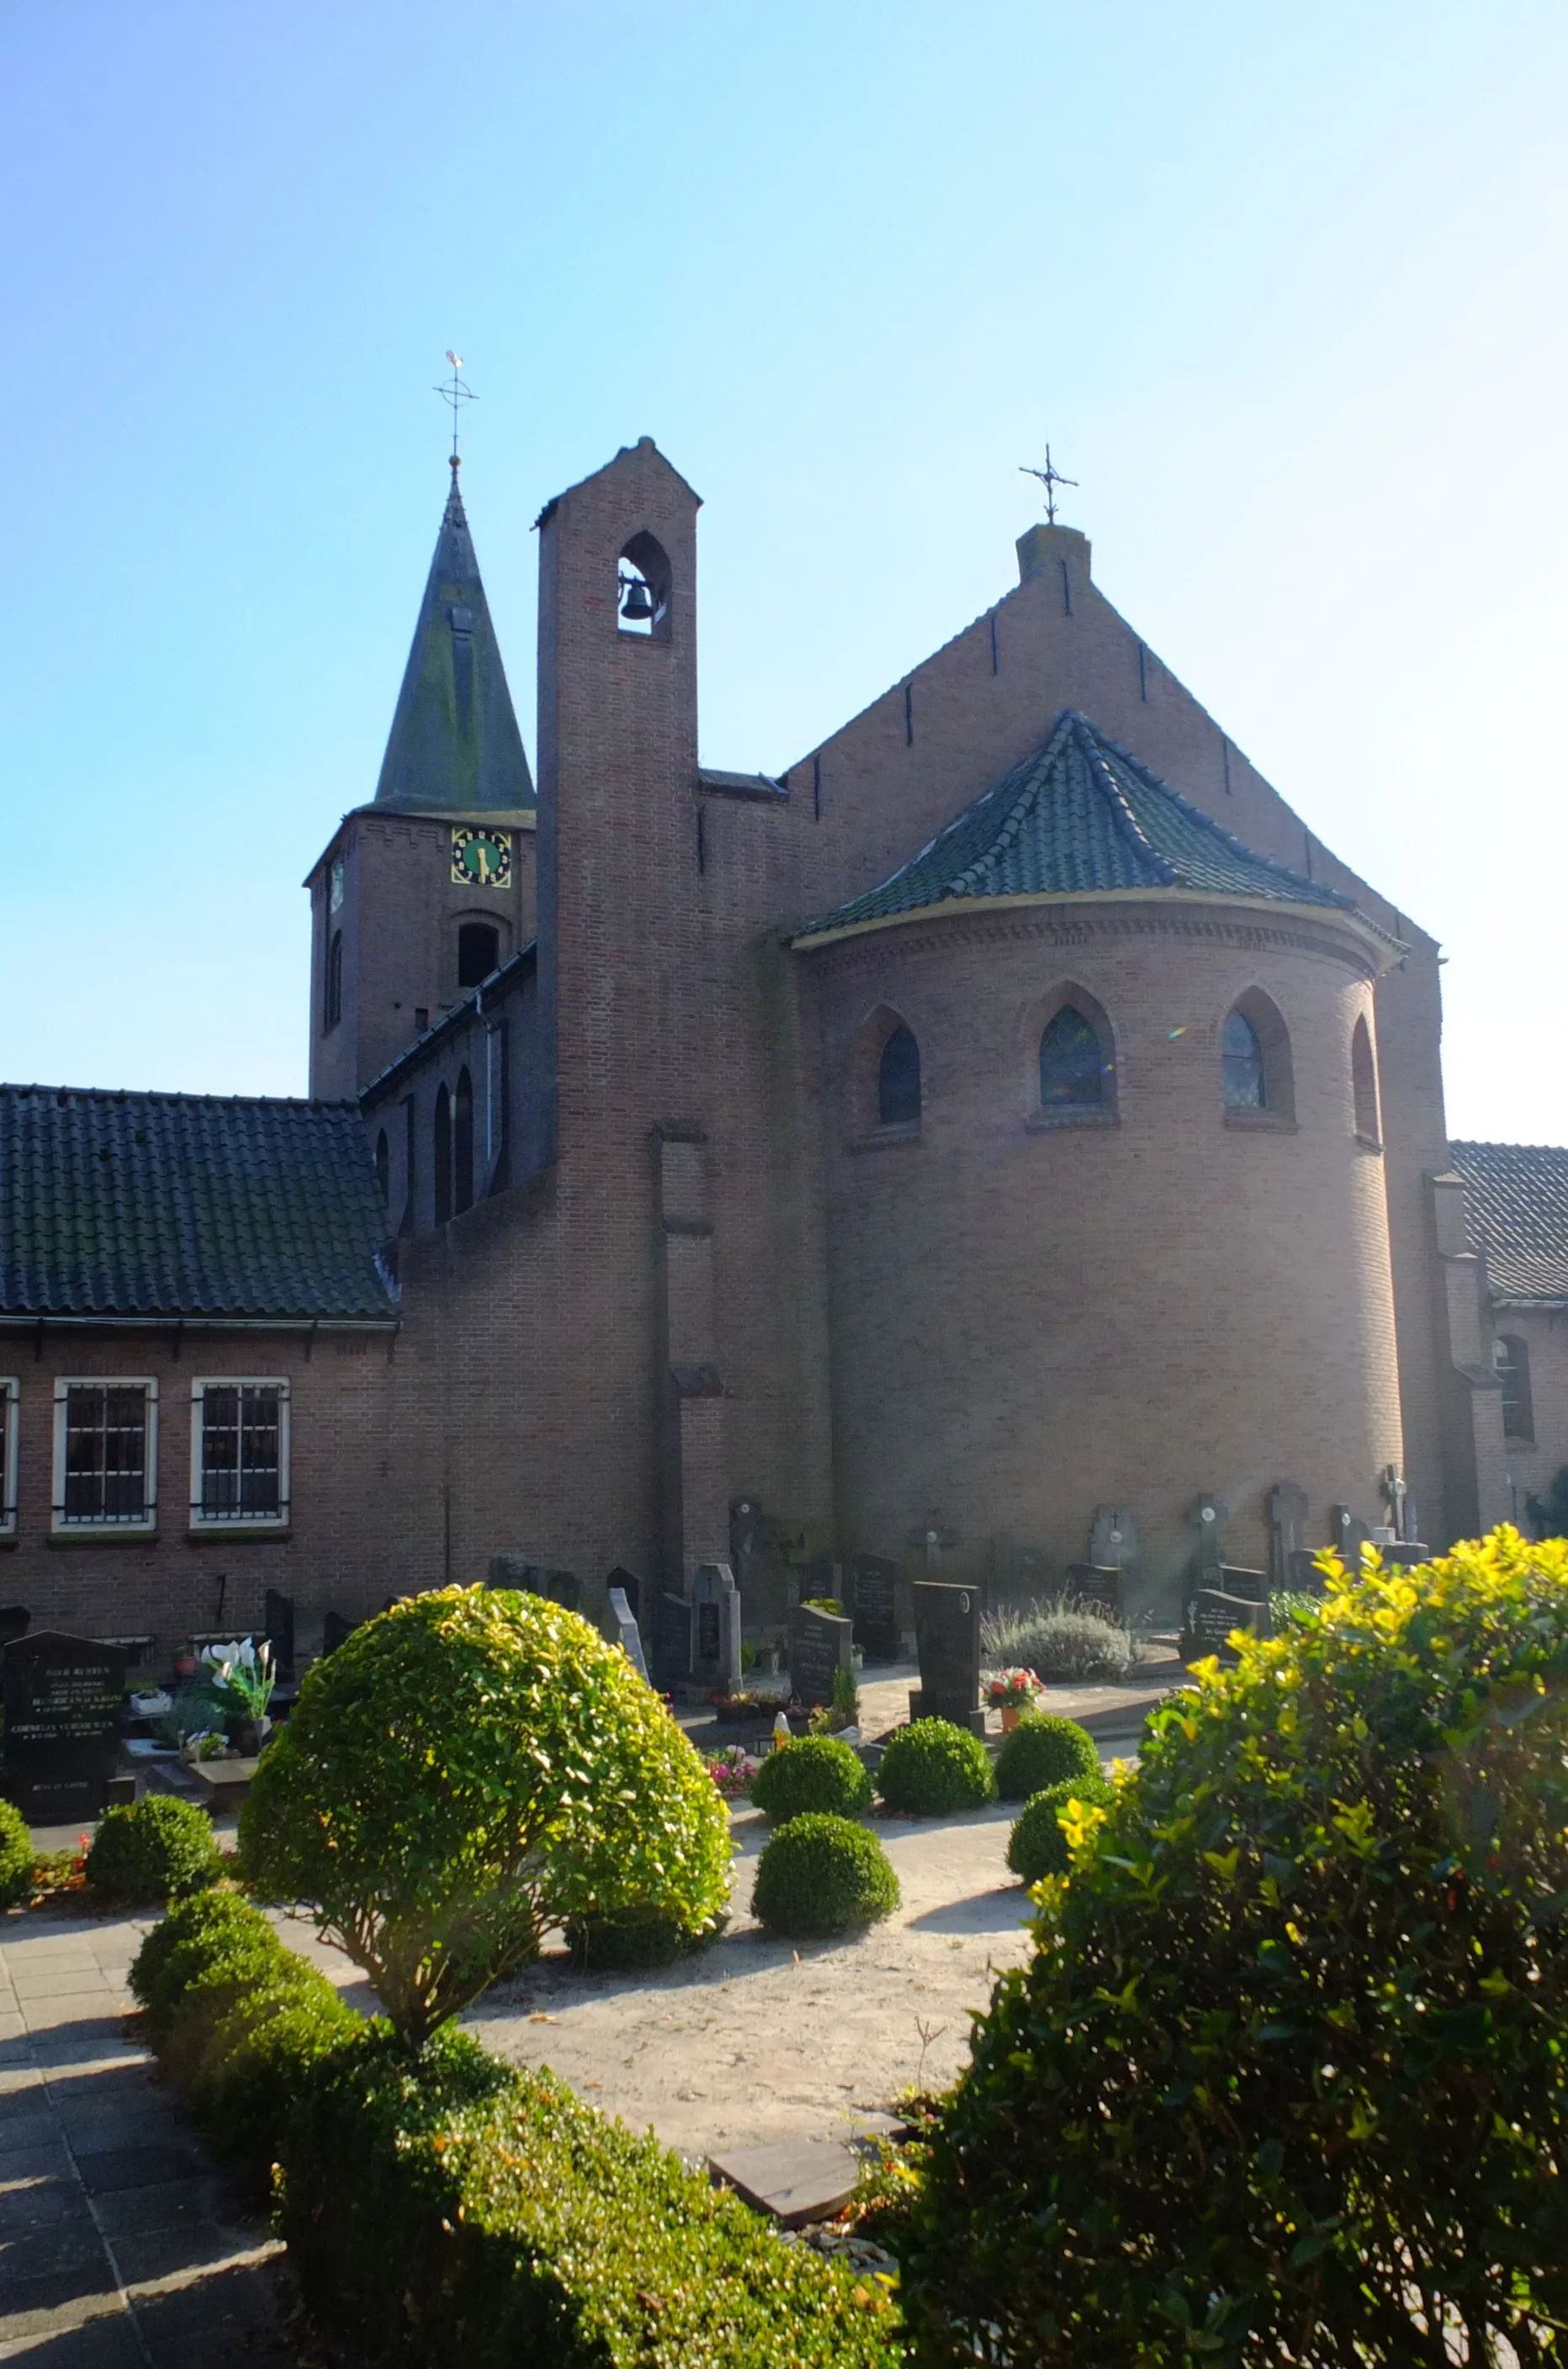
898	1080
1241	1060
1512	1357
1072	1074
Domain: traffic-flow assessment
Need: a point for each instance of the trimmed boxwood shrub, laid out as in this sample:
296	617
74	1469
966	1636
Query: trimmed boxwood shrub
16	1856
817	1772
198	1936
933	1765
636	1937
1287	2067
823	1874
1043	1749
157	1848
1037	1845
444	2208
473	1765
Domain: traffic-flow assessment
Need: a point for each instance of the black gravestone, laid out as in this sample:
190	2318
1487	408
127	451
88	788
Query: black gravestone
671	1640
15	1621
716	1647
1251	1587
277	1625
334	1628
1096	1584
876	1608
1210	1618
817	1579
819	1648
947	1637
62	1697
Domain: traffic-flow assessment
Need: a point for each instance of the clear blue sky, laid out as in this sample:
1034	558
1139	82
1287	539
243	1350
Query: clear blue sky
1284	286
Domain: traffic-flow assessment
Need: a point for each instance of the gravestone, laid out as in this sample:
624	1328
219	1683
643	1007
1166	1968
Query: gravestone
1247	1587
1347	1535
627	1634
671	1640
875	1607
1305	1578
334	1628
1209	1616
278	1626
562	1587
817	1578
15	1621
1113	1541
716	1628
1286	1507
819	1648
61	1696
1208	1519
631	1587
947	1638
1099	1584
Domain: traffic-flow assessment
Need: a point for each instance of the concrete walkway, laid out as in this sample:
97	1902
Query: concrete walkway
118	2242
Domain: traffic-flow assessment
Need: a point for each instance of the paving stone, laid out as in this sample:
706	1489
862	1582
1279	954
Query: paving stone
223	2302
39	2204
796	2181
69	2246
122	2126
151	2255
84	2284
167	2205
108	2340
17	2082
135	2166
21	2167
30	2130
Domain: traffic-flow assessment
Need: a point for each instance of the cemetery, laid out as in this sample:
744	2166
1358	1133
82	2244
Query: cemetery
495	1933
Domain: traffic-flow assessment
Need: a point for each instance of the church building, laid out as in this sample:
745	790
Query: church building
1009	1113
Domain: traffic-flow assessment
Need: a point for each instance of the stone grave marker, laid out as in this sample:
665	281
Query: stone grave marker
672	1640
819	1648
875	1607
1286	1507
1347	1535
818	1578
1247	1587
278	1626
947	1638
1208	1519
1113	1541
1210	1615
715	1629
62	1697
1096	1584
628	1636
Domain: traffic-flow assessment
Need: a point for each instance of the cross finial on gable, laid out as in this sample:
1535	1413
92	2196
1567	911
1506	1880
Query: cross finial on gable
1050	476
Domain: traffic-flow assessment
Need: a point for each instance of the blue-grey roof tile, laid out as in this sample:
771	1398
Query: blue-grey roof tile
1517	1198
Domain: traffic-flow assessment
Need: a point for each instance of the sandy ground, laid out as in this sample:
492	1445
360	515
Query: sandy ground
758	2039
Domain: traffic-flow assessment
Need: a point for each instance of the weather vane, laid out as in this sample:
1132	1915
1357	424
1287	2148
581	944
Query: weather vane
1050	477
456	393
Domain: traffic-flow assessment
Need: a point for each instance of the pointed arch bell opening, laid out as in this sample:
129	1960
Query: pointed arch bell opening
643	589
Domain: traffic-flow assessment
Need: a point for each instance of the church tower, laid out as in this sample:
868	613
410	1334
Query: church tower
424	892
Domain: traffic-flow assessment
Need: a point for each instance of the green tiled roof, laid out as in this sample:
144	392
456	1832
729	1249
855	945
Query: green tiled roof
1078	817
187	1205
1517	1197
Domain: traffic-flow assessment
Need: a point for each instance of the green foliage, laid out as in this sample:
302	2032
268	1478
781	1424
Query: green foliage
1043	1749
846	1694
15	1856
629	1938
157	1848
193	1937
1287	2068
823	1874
1058	1637
259	2060
931	1766
817	1772
823	1604
463	1771
1037	1845
443	2209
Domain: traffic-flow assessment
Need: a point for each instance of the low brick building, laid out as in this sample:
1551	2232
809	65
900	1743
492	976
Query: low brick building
1010	1111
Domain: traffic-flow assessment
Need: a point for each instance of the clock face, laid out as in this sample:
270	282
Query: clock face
481	859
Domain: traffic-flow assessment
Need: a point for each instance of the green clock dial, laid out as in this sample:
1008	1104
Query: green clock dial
481	859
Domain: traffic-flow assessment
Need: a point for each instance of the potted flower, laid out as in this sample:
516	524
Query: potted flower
237	1680
1012	1692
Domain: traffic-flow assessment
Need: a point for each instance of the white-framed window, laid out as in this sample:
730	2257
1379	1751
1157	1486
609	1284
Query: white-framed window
10	1394
239	1452
106	1452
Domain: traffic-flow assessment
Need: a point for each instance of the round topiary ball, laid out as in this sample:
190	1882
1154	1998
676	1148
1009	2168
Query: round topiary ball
816	1773
1037	1845
822	1874
933	1765
16	1856
1043	1749
159	1848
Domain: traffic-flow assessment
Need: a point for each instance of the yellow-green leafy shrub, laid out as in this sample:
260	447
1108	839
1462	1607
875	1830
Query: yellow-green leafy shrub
1038	1845
1287	2079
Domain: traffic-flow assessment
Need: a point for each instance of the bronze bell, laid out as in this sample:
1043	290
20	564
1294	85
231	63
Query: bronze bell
637	601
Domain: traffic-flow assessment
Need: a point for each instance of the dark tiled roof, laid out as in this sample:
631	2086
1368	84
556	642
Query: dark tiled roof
454	745
1077	818
187	1205
1518	1215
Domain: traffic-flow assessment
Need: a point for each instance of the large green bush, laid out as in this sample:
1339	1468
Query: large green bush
446	2209
1043	1749
1286	2080
463	1771
1037	1845
16	1856
823	1874
184	1948
933	1766
816	1773
157	1848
